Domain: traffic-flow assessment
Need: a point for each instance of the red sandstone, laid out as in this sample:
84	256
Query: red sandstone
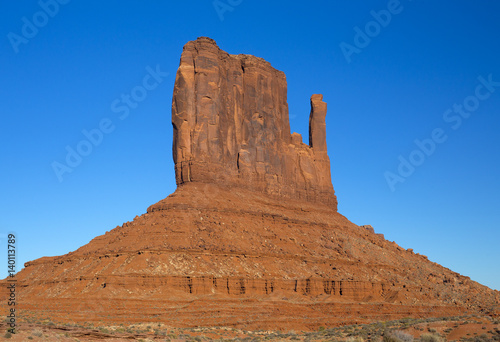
251	238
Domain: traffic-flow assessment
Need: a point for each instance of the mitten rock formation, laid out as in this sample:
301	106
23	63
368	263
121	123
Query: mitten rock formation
231	126
251	238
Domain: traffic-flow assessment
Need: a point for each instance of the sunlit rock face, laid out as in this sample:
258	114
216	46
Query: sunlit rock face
231	126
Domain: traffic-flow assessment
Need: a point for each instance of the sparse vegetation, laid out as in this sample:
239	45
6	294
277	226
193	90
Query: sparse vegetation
401	330
104	330
37	333
430	338
401	336
355	339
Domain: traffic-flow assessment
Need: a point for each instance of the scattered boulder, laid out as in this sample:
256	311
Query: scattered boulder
369	228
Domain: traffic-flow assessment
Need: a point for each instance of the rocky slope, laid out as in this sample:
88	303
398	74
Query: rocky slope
251	238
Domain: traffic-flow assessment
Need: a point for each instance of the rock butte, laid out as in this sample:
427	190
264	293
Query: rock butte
251	238
231	126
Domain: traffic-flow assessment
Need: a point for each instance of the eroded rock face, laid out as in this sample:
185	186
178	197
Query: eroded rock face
231	126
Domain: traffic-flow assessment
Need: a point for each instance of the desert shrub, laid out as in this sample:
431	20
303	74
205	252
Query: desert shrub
430	338
7	335
333	333
355	339
481	338
363	333
402	336
104	330
37	333
390	338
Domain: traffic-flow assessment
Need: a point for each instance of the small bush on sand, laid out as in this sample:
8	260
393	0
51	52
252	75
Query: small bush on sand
430	338
37	333
390	338
402	336
355	339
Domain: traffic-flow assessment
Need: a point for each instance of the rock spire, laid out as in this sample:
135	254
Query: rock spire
231	127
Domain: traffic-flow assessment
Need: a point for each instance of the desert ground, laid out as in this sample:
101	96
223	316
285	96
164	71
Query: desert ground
466	328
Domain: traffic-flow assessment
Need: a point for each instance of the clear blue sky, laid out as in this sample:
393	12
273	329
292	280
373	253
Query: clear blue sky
386	82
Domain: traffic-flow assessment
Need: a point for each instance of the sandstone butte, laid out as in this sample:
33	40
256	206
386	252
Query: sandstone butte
251	238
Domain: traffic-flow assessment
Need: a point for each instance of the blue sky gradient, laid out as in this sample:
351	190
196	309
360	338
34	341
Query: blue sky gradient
400	80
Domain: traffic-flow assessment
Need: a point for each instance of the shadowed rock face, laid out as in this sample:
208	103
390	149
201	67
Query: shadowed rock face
231	127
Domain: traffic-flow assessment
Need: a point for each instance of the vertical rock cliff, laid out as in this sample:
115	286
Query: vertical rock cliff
231	126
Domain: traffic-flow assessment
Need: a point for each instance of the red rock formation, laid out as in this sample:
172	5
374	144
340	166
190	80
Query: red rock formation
231	126
251	237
